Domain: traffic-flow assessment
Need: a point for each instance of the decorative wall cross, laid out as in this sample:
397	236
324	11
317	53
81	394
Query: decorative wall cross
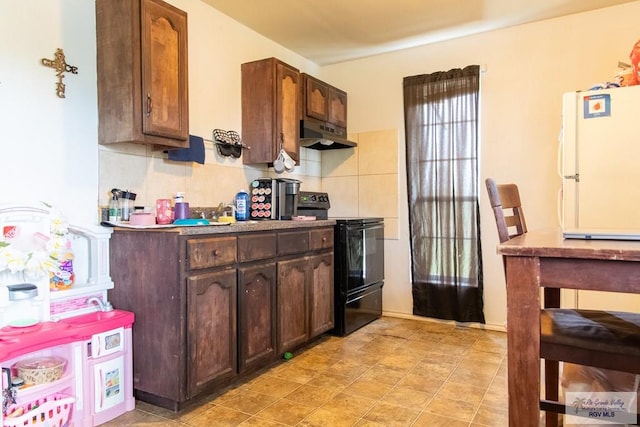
59	64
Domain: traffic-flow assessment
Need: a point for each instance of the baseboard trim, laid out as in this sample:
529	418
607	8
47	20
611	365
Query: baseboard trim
483	326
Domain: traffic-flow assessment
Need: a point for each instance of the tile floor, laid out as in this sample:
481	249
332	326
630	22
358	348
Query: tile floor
392	372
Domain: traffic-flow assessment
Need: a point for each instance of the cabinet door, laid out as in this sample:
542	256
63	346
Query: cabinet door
257	315
337	114
164	70
287	111
141	52
270	110
316	99
212	331
293	327
321	294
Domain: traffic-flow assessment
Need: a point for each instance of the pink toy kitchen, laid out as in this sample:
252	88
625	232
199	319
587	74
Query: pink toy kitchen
65	351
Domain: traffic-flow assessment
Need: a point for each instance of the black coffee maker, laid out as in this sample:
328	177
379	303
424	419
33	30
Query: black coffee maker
287	198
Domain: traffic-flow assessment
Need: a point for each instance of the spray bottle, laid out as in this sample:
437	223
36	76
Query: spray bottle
114	207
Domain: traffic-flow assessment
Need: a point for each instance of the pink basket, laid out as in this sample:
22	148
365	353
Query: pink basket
53	410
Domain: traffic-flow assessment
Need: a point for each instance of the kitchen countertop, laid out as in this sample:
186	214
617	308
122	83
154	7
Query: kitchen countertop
237	227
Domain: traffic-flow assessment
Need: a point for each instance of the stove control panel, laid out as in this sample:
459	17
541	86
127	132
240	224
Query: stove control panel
313	200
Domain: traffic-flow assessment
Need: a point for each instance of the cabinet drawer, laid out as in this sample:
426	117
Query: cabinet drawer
292	242
211	252
321	239
255	246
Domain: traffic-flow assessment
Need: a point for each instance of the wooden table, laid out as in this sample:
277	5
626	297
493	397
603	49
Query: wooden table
544	259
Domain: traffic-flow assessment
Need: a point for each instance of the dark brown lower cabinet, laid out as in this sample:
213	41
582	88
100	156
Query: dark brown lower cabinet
257	308
320	294
146	269
305	299
212	331
212	308
293	325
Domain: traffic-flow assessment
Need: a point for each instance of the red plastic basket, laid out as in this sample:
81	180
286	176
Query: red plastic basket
53	410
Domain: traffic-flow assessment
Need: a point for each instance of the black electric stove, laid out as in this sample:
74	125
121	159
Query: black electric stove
358	264
358	272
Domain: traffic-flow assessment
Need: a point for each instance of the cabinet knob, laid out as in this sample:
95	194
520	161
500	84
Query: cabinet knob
324	239
216	252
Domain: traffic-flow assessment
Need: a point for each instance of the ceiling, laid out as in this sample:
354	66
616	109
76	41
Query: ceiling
332	31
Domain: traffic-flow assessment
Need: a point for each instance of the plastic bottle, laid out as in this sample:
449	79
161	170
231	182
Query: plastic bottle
126	202
63	276
114	207
60	248
242	206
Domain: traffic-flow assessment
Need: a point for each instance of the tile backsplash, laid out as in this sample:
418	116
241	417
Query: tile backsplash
151	176
362	181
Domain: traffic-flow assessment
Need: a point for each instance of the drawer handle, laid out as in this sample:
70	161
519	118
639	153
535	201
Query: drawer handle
216	252
324	238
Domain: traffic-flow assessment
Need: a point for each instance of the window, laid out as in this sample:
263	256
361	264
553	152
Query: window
441	127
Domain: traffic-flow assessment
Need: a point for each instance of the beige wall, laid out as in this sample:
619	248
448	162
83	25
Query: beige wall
49	144
526	70
50	148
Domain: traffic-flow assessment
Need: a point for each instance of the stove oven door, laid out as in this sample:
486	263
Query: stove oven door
364	255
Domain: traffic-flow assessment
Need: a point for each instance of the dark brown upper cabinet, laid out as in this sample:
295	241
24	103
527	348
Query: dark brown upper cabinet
270	110
324	102
142	73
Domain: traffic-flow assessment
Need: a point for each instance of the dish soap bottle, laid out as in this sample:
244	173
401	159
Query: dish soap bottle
242	206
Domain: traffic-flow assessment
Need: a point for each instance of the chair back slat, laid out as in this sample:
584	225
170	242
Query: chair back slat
507	209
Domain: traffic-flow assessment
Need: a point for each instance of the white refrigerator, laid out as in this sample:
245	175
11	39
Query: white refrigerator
601	163
600	167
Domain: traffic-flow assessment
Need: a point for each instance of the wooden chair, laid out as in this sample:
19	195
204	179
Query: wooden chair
599	339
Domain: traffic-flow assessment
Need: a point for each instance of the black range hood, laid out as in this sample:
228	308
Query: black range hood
322	136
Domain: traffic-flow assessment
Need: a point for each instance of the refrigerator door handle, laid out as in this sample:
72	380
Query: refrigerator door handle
559	208
560	154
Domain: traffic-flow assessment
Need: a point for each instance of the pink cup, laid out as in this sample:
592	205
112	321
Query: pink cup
164	215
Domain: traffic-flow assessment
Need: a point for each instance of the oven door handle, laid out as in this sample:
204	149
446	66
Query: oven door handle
366	227
365	292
